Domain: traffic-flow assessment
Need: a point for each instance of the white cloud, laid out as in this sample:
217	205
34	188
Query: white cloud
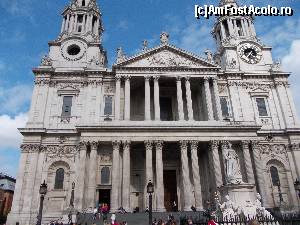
9	134
15	98
290	63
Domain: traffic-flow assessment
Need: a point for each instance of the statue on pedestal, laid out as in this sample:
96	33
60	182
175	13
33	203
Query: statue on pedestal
228	208
232	165
261	211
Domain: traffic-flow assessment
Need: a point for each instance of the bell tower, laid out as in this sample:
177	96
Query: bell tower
79	44
238	47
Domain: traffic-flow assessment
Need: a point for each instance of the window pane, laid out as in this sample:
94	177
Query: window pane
224	107
105	174
261	106
108	105
59	179
67	105
274	176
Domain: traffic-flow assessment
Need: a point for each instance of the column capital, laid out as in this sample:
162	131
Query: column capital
118	77
183	144
178	78
127	77
116	144
126	143
148	145
147	77
194	144
83	144
187	78
206	79
94	145
214	79
245	143
255	144
225	144
159	144
214	144
156	78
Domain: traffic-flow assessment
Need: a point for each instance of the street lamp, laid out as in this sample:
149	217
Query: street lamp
150	190
43	192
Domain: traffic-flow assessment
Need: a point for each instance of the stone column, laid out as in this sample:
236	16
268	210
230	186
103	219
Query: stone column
189	98
127	98
223	33
71	23
63	25
259	168
147	99
156	99
115	176
67	23
90	23
248	163
179	99
81	176
126	176
75	23
159	178
185	177
217	99
196	175
83	24
149	169
93	170
117	97
216	162
210	114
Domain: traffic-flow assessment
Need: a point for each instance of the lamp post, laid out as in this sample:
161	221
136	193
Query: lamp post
150	190
43	192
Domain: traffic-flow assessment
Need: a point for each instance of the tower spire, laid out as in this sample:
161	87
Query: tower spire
82	18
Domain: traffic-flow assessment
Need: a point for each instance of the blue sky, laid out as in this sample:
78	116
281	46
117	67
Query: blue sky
26	26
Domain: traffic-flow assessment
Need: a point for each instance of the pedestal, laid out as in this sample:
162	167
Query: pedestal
239	193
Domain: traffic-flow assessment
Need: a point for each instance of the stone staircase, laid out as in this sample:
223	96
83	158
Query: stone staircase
137	218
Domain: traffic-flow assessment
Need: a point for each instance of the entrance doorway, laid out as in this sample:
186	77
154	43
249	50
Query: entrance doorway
170	186
166	113
104	196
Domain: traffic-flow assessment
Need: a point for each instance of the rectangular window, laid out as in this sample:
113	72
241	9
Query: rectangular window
261	106
67	105
225	106
108	106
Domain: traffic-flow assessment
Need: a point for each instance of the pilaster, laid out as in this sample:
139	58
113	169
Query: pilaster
210	114
117	97
189	98
179	99
147	98
214	145
156	99
248	163
127	98
115	176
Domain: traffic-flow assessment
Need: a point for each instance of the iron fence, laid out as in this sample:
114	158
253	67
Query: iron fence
290	219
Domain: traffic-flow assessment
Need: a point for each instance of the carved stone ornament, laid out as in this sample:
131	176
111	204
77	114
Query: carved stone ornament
164	38
109	89
67	151
121	57
31	148
106	158
42	81
272	149
167	59
232	64
46	61
209	55
276	66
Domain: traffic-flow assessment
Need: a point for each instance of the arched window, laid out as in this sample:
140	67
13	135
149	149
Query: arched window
59	179
105	174
274	176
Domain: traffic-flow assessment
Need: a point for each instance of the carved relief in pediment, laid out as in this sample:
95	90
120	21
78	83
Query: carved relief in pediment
165	59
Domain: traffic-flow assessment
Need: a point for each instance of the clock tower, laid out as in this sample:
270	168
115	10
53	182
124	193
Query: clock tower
238	47
79	45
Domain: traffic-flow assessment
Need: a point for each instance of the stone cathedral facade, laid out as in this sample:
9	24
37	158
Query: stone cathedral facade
194	126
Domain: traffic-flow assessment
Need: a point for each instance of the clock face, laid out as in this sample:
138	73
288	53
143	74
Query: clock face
250	53
73	50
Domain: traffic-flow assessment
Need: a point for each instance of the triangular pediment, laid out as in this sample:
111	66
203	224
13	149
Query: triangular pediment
165	56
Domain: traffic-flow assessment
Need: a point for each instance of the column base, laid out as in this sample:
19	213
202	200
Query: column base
187	209
160	210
